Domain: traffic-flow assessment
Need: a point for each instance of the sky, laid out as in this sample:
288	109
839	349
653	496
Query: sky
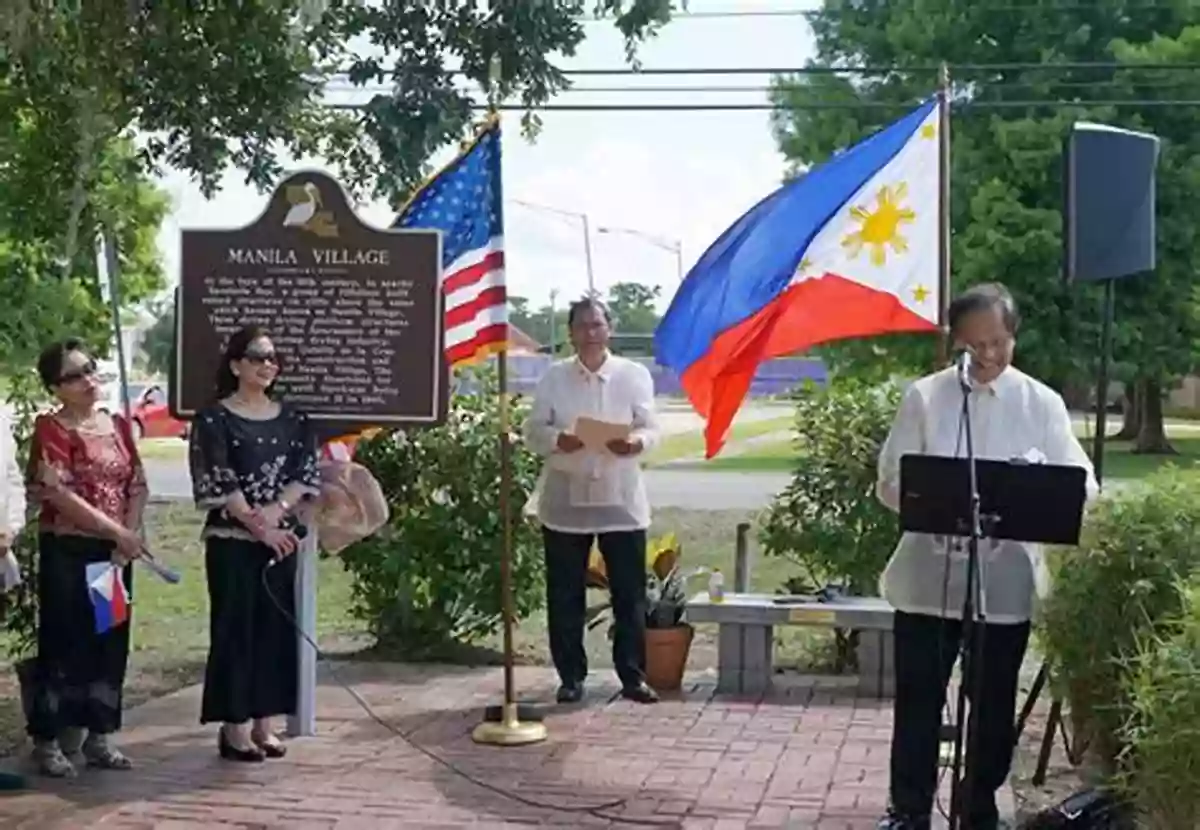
678	176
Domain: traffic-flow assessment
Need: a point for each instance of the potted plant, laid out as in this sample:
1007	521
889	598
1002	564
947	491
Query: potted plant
668	635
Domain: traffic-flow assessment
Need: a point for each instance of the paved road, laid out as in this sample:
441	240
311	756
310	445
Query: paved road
692	489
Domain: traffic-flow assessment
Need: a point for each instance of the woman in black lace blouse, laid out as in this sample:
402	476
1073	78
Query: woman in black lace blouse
253	464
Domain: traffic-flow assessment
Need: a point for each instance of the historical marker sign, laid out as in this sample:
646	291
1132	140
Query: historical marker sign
355	312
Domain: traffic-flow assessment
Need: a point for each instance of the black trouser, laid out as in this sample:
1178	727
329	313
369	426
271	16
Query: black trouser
624	555
920	698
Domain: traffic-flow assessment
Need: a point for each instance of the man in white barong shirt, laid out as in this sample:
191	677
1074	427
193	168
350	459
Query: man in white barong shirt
588	496
1012	416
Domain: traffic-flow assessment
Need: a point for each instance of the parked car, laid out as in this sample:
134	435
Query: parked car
149	409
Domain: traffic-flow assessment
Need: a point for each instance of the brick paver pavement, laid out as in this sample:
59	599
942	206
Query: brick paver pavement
812	755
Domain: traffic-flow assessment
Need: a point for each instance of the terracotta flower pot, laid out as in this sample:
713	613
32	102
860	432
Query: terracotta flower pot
666	656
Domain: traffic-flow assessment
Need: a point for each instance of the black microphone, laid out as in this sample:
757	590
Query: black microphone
962	366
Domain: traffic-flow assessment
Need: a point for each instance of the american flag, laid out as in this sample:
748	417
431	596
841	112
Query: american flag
464	201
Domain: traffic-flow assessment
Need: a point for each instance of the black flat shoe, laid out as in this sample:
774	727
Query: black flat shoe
270	749
570	693
231	753
641	693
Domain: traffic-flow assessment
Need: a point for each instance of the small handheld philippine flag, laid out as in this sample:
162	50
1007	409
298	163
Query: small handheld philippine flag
110	598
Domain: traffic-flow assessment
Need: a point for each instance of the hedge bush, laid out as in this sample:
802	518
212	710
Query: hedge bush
1160	763
828	520
1119	588
430	579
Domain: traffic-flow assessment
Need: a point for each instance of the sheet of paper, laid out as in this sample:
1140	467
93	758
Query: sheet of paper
595	434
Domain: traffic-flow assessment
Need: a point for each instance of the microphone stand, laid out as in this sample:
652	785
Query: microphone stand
964	768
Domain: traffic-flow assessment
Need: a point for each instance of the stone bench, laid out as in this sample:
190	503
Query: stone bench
745	640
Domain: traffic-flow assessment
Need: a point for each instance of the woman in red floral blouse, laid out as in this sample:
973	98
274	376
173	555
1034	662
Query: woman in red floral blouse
85	474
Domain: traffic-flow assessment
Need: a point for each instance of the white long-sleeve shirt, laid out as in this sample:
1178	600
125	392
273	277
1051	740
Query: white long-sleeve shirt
584	491
12	499
1014	416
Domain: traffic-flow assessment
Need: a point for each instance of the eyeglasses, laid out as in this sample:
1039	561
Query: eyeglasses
259	358
87	370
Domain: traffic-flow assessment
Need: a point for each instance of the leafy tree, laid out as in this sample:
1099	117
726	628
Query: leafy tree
158	343
206	86
1006	177
214	84
547	325
632	304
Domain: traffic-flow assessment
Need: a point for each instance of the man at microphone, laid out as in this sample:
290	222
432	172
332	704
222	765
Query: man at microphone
1012	416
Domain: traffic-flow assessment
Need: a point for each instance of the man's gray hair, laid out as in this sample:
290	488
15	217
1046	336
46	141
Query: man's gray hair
984	297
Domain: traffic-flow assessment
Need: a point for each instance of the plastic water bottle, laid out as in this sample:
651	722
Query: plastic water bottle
716	587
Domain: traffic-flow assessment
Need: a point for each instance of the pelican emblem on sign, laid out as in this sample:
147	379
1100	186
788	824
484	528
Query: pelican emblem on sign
306	211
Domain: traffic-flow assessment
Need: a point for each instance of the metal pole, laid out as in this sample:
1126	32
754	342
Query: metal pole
510	695
553	323
509	730
679	261
1106	345
113	267
587	251
943	350
304	722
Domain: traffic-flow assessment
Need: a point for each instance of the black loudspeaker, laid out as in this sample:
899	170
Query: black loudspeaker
1108	202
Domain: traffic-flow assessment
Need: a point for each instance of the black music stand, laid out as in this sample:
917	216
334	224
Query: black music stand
1018	500
977	499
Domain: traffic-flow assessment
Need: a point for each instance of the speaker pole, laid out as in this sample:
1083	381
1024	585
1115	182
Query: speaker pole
943	348
1106	347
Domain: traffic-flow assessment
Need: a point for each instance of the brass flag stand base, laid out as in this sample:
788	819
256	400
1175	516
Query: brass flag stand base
510	731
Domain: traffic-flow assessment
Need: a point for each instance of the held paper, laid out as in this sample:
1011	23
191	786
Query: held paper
595	434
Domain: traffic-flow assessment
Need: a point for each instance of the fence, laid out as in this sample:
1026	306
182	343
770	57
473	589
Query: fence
775	377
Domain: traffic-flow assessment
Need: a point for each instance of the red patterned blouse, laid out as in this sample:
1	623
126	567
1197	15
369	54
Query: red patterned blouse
102	469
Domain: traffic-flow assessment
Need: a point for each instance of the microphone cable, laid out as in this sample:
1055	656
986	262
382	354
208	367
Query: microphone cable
600	811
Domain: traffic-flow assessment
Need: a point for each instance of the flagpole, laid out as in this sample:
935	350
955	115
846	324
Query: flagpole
943	352
509	729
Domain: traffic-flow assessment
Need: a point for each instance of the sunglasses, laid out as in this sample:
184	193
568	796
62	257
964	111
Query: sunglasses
260	358
87	370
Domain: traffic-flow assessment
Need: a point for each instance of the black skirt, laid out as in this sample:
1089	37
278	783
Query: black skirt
78	676
253	655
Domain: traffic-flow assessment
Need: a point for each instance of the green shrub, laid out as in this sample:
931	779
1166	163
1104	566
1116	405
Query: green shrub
828	520
1116	589
18	608
430	578
1161	762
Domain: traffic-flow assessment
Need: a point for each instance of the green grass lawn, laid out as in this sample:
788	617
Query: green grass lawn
1120	462
170	622
691	444
162	448
670	448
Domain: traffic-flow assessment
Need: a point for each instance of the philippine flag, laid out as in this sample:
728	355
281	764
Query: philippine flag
110	599
848	250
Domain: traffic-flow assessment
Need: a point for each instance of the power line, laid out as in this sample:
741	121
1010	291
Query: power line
894	69
1000	86
682	16
815	106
